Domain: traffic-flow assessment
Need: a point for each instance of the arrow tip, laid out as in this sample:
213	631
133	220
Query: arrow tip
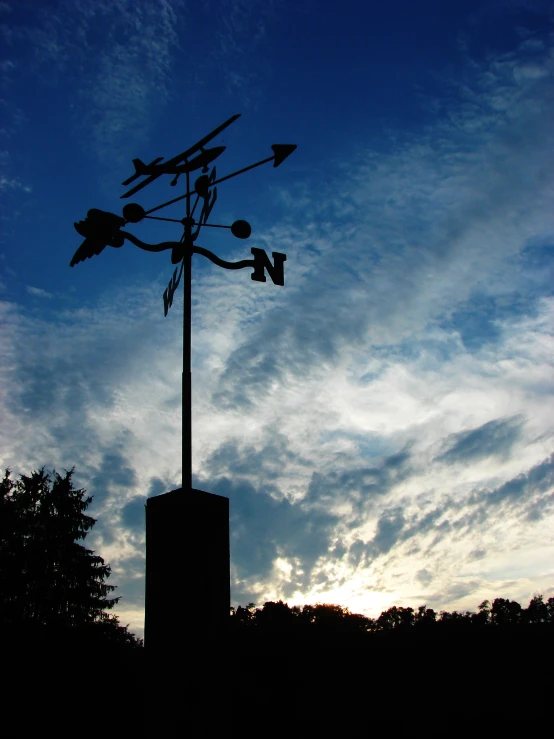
282	151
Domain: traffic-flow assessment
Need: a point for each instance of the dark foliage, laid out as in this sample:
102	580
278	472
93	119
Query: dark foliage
407	670
499	617
52	589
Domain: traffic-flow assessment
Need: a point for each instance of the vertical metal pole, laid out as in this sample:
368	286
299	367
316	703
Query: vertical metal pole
187	375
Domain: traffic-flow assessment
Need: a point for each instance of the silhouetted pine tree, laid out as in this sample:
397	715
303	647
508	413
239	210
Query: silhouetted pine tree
47	579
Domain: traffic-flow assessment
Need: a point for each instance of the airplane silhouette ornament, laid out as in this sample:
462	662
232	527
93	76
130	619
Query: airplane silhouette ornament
101	229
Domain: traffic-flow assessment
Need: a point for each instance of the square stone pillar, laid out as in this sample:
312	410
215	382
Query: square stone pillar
187	571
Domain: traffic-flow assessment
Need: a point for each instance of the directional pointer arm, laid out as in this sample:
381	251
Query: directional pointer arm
280	153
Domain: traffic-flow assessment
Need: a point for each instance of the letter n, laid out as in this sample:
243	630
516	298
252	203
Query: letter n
262	263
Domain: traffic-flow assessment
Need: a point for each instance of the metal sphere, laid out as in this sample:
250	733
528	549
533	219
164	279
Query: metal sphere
133	212
202	186
241	229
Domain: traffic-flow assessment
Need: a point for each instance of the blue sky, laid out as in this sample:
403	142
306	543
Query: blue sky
383	423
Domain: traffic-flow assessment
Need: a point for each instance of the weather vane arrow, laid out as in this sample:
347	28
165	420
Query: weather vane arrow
101	228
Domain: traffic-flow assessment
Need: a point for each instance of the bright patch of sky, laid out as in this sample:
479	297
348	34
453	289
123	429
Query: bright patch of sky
383	423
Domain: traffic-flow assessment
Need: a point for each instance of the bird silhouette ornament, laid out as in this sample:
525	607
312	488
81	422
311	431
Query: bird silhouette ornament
101	228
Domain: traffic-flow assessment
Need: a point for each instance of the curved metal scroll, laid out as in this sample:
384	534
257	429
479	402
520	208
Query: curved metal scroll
221	262
102	229
151	247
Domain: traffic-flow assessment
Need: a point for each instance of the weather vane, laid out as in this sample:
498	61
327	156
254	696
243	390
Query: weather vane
101	229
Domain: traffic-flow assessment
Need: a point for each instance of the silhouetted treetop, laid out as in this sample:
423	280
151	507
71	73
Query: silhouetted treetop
47	579
324	617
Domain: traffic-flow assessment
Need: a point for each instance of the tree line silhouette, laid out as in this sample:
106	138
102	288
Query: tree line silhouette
328	618
51	584
57	633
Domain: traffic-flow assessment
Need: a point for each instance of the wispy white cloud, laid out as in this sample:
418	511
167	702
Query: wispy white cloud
114	59
10	188
131	77
38	292
13	183
242	27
